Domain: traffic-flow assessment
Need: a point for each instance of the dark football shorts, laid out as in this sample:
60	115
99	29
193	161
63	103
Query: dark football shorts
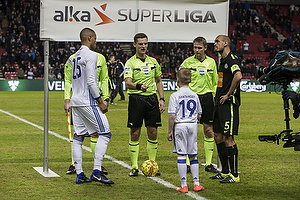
207	104
226	119
143	108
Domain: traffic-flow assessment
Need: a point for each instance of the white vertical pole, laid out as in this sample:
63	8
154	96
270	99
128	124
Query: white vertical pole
45	171
46	103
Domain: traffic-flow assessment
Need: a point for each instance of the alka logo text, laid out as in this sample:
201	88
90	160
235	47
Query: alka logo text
70	15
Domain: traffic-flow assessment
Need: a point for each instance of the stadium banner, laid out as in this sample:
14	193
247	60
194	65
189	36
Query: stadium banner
169	85
120	20
30	85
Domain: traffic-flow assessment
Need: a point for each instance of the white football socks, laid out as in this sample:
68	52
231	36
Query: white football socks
77	154
182	169
100	150
195	169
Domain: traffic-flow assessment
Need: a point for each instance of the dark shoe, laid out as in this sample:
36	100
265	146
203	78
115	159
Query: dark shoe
219	176
81	178
104	171
158	173
211	168
100	177
71	170
134	172
230	179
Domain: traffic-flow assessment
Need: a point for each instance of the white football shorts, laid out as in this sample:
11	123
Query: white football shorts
185	139
89	119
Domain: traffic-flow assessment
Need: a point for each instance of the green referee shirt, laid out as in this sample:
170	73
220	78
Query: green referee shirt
102	76
142	73
204	74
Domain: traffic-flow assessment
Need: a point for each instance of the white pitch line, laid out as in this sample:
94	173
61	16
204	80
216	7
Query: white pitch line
123	164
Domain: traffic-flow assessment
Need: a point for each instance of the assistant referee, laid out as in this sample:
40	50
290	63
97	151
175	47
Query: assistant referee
204	84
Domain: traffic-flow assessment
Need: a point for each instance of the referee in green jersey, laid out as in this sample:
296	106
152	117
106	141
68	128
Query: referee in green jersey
226	114
204	84
142	73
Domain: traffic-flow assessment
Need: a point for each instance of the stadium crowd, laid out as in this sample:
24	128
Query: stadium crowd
21	49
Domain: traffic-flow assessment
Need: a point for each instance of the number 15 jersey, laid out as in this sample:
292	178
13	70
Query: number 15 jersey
84	78
186	106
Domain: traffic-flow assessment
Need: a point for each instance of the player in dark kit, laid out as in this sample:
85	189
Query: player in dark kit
226	115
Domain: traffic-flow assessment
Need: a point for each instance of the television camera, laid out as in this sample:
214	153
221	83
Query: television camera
282	70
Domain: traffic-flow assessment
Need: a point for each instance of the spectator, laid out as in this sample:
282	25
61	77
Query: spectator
258	61
12	68
52	75
231	17
21	29
292	10
251	29
4	58
232	47
246	47
59	77
266	46
20	73
256	20
253	69
30	74
6	68
246	5
274	35
4	24
72	48
262	48
39	70
297	30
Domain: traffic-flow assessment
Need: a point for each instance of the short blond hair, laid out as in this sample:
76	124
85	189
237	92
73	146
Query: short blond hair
226	39
184	76
200	39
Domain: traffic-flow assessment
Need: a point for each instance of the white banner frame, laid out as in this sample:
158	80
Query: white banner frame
119	20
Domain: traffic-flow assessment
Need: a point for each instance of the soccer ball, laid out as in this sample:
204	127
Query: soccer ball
149	168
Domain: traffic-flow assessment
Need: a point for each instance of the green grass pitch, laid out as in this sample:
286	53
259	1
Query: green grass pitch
267	170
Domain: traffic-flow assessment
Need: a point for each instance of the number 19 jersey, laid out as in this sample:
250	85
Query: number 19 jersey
186	106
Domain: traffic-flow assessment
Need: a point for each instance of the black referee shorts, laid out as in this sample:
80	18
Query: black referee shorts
143	108
207	104
226	119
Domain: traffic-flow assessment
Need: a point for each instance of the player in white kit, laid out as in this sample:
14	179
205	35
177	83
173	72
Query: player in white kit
184	113
88	108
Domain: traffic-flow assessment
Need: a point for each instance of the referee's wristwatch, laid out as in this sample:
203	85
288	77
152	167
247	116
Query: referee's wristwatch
162	99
